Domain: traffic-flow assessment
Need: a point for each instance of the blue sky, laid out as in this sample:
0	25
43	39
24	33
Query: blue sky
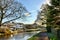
32	6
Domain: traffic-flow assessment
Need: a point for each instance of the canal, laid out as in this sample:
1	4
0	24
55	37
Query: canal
20	36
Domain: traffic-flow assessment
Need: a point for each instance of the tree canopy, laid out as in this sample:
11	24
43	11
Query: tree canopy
11	10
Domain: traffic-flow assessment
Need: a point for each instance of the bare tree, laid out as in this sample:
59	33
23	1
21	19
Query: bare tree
11	10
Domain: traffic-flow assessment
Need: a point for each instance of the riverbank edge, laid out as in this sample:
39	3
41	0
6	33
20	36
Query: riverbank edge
51	36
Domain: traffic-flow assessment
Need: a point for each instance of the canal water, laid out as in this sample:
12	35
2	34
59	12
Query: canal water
20	36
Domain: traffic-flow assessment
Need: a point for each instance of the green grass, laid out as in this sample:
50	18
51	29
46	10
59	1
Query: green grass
52	36
32	38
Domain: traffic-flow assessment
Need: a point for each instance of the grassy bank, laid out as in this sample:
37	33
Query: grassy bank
51	36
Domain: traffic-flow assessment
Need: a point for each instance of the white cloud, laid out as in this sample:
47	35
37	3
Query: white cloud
27	14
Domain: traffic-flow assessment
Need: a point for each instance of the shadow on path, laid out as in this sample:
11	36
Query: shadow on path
43	36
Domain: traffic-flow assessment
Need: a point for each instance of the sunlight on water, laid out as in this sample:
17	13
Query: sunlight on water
20	36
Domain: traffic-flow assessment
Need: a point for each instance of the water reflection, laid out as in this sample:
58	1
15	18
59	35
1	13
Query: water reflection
4	37
20	36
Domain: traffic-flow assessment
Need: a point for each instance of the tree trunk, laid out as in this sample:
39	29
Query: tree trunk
0	22
1	18
48	29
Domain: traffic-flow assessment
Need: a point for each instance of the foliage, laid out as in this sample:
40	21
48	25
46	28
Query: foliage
55	2
52	11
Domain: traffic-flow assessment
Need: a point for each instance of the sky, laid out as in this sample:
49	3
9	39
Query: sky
32	6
